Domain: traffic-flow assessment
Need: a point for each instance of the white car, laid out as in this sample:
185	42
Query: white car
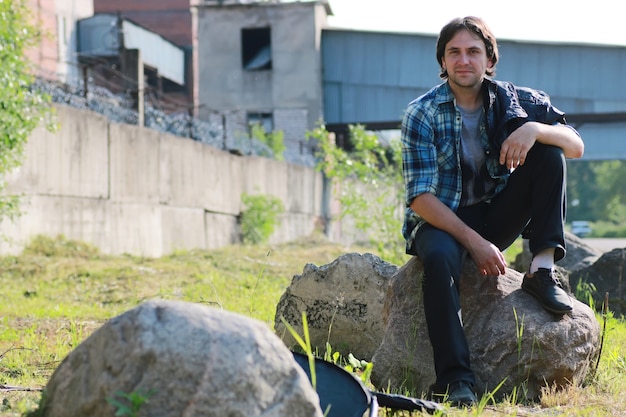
581	228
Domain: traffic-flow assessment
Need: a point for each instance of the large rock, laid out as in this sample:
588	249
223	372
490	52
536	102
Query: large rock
343	302
511	337
608	276
193	360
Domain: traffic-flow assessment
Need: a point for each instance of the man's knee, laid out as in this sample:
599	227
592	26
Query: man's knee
547	156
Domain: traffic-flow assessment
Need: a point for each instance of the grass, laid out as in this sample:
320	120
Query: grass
58	292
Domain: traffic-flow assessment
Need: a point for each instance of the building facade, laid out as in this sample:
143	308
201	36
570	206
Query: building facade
260	62
175	21
55	57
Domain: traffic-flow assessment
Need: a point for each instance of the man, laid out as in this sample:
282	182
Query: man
483	161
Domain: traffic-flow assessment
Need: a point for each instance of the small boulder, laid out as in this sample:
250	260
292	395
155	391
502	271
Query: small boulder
343	302
608	276
187	360
512	339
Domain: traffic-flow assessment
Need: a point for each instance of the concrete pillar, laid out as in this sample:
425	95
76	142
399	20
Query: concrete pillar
132	68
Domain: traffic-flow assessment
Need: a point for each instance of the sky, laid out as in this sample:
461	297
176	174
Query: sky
596	22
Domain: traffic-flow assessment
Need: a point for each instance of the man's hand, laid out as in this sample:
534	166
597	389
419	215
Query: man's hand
487	257
515	148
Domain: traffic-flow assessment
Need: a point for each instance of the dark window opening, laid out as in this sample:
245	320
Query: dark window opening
265	120
256	49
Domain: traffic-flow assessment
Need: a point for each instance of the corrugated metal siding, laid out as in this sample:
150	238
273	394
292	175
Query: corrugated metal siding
580	75
365	103
604	141
390	68
370	77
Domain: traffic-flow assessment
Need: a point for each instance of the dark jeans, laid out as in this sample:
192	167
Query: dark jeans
533	202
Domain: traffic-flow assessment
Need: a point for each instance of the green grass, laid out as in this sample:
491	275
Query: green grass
58	292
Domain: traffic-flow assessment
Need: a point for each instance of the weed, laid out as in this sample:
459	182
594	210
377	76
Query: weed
305	345
131	404
259	217
273	140
585	291
60	246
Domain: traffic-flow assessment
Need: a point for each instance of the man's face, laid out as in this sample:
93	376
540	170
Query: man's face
465	60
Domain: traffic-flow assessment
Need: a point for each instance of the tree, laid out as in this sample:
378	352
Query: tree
22	107
596	191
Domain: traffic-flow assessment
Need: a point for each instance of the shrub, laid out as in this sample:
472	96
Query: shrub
273	140
367	182
259	217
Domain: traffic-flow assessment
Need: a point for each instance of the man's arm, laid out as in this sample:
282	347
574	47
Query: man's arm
515	148
486	256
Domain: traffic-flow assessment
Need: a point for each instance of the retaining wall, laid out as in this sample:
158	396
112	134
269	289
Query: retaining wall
129	189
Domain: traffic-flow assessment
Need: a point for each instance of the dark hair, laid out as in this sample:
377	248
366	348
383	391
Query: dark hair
474	25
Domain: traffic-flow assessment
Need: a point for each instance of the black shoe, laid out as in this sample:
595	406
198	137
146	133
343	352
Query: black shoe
459	394
546	288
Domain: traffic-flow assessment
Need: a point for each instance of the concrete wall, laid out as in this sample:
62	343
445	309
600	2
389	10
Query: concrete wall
128	189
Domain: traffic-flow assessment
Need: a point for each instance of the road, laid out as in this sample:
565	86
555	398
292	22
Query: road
605	244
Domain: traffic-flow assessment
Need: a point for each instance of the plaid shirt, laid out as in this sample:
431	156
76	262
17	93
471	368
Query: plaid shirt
431	134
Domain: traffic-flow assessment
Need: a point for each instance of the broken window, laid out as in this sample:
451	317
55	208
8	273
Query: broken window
256	49
265	120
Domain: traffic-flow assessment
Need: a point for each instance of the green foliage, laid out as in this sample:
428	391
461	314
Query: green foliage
368	185
21	107
273	140
59	246
305	344
608	229
585	292
131	404
597	192
259	217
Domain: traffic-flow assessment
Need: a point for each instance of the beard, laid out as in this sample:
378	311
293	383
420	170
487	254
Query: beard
467	80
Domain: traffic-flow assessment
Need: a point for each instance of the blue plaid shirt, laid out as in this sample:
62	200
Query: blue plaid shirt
431	134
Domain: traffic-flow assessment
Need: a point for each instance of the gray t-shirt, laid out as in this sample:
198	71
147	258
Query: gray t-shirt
477	183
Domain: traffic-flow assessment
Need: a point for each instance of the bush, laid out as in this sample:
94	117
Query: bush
60	246
259	217
369	186
274	140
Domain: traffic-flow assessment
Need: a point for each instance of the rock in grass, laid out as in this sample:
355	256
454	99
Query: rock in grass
608	276
185	359
343	302
512	339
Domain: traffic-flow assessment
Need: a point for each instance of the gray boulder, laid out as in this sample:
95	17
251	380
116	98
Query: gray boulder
343	302
511	337
188	360
608	276
579	254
